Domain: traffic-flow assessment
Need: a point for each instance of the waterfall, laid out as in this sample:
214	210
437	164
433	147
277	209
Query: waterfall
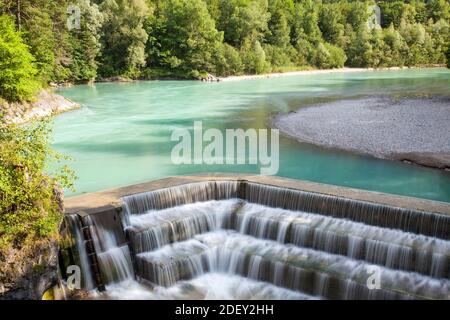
74	227
286	243
114	260
160	227
226	287
426	223
184	194
391	248
265	260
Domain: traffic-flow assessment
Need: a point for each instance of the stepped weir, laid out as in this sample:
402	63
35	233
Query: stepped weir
257	237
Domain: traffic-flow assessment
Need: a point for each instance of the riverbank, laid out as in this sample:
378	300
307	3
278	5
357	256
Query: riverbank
46	103
414	130
212	78
302	72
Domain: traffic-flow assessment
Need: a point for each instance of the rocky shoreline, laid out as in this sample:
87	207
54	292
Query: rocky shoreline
46	103
28	272
412	130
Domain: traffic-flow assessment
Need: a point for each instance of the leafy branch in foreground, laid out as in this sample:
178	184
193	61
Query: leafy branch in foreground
30	199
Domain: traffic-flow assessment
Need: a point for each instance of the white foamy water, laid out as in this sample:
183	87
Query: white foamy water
212	286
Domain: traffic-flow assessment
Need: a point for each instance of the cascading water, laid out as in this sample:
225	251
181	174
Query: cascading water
75	228
229	252
288	244
114	260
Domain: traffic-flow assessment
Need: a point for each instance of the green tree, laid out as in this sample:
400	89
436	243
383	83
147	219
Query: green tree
306	22
279	29
123	37
244	20
395	46
447	55
439	33
360	49
419	43
357	14
438	9
395	12
254	57
183	37
16	64
43	24
231	63
85	43
328	56
331	23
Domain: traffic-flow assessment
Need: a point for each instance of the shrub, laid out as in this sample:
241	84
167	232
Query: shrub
279	58
231	62
448	56
254	58
29	207
328	56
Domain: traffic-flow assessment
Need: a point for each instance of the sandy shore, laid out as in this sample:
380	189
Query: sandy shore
303	72
415	130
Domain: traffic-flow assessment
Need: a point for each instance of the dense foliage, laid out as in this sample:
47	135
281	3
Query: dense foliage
188	38
29	208
16	64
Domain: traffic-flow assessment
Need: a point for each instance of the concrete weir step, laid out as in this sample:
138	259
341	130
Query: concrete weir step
389	248
382	246
162	227
172	263
322	243
308	271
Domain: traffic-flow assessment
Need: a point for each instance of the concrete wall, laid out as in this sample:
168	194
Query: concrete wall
98	202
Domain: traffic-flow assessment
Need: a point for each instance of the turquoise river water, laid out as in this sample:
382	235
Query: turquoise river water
122	133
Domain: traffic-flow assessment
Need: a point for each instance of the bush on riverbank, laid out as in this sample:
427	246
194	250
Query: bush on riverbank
30	200
448	57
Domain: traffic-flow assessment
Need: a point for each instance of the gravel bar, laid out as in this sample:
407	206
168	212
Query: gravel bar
415	130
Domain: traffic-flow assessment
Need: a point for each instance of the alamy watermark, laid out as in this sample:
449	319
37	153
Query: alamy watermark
374	279
73	277
74	17
374	21
237	147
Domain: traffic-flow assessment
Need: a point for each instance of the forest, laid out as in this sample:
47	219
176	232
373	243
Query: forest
60	41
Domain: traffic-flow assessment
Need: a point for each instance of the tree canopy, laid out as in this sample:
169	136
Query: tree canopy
187	38
17	67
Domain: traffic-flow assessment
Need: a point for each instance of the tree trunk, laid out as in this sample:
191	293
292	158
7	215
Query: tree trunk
18	15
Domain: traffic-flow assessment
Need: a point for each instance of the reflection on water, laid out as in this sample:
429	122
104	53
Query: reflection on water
122	134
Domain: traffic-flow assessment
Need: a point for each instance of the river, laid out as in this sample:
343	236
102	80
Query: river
121	135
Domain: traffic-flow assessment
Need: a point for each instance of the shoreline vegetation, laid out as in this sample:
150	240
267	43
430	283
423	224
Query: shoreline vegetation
212	78
210	39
